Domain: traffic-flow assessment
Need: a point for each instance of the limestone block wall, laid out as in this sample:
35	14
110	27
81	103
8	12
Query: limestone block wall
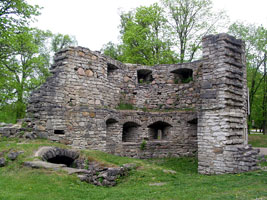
164	90
179	110
64	107
222	126
179	133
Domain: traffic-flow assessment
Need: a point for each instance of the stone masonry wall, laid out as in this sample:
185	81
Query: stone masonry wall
222	126
177	110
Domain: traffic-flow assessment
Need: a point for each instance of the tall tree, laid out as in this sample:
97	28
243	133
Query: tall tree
144	35
25	69
14	14
190	21
256	50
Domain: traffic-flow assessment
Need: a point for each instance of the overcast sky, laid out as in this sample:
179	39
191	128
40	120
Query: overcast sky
95	22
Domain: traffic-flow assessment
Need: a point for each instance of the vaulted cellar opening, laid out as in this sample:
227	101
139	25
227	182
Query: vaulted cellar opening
61	160
144	76
60	156
130	132
159	131
183	75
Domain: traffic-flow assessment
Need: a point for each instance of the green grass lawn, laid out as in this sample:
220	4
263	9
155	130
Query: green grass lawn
21	183
257	140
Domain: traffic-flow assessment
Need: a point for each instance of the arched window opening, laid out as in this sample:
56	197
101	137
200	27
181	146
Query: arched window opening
144	76
130	132
183	75
111	70
159	131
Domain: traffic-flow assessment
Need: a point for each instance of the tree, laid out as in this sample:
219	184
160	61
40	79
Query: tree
169	34
112	50
61	41
25	69
256	51
190	21
144	35
14	14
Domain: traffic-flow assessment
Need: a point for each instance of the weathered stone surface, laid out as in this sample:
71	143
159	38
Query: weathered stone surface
2	162
178	109
43	164
13	155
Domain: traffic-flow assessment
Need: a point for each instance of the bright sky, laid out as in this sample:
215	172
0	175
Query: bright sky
95	22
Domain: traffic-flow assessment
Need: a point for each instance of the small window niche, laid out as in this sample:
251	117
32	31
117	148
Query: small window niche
144	76
159	130
59	132
111	70
183	75
130	132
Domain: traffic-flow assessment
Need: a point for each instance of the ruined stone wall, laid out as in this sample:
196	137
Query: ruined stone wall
63	109
177	109
164	90
222	126
179	133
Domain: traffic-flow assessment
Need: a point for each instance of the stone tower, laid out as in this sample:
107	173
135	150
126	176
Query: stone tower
222	117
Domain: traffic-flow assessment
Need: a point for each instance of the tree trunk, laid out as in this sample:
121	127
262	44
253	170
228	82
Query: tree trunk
264	101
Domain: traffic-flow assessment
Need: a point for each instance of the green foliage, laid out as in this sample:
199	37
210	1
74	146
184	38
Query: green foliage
31	184
165	34
60	41
256	58
7	114
112	50
125	106
190	21
144	38
187	80
143	145
25	69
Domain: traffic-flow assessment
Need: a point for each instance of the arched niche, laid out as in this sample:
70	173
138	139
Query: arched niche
159	130
130	132
182	75
144	76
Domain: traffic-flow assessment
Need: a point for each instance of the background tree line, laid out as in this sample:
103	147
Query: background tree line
171	32
25	56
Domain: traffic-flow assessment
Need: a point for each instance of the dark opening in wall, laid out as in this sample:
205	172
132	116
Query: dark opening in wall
59	156
183	75
111	69
59	132
159	130
144	76
193	121
130	132
61	160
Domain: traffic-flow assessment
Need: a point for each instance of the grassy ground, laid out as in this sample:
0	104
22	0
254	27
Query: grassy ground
257	140
19	183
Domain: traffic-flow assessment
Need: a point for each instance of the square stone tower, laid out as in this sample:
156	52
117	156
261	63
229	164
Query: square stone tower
222	120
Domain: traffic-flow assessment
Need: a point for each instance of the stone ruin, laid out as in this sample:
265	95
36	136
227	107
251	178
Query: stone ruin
198	108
